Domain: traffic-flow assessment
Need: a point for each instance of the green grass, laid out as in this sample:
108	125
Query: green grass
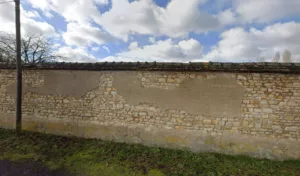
96	157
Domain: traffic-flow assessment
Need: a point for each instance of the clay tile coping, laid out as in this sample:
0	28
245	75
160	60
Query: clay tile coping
262	67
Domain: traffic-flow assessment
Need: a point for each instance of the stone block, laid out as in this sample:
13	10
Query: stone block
296	85
276	127
229	124
161	80
246	101
292	103
142	113
214	122
241	77
267	110
257	110
291	128
206	121
273	102
170	80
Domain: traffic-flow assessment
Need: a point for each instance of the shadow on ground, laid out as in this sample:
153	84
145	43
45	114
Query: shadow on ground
9	168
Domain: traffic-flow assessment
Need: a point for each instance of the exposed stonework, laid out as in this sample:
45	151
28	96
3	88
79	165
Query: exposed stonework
238	113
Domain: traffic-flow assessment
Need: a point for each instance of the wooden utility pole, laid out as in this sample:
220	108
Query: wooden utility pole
19	70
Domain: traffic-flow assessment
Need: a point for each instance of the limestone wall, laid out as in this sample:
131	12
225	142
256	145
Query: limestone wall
257	114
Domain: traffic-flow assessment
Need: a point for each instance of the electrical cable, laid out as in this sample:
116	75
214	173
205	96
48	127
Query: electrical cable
6	2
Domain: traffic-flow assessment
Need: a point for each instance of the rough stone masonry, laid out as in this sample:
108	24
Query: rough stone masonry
251	109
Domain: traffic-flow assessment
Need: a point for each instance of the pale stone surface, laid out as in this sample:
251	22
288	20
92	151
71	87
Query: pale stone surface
269	107
218	96
229	143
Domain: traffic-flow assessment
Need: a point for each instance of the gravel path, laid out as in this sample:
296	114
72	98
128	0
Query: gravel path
9	168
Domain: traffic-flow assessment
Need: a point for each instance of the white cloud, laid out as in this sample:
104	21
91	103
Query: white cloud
151	39
120	59
85	35
81	11
163	50
266	10
145	17
190	48
40	4
259	11
29	24
177	20
95	48
79	14
106	48
133	45
75	55
101	2
227	17
56	45
29	14
238	45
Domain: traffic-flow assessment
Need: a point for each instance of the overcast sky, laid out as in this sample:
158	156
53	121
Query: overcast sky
162	30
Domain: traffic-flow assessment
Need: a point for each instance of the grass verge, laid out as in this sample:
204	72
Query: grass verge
94	157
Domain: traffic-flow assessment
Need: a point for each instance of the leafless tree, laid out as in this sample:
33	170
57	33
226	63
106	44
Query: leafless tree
276	57
287	56
7	48
35	49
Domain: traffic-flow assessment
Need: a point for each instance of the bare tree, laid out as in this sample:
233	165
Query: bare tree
276	57
34	49
287	56
7	48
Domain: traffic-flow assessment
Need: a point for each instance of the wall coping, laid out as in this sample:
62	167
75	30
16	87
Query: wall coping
261	67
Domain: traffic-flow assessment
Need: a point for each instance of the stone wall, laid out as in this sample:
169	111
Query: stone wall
256	114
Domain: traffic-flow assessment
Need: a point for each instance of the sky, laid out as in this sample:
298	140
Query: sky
162	30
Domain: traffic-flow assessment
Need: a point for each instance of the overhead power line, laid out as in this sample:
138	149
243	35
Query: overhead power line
3	2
